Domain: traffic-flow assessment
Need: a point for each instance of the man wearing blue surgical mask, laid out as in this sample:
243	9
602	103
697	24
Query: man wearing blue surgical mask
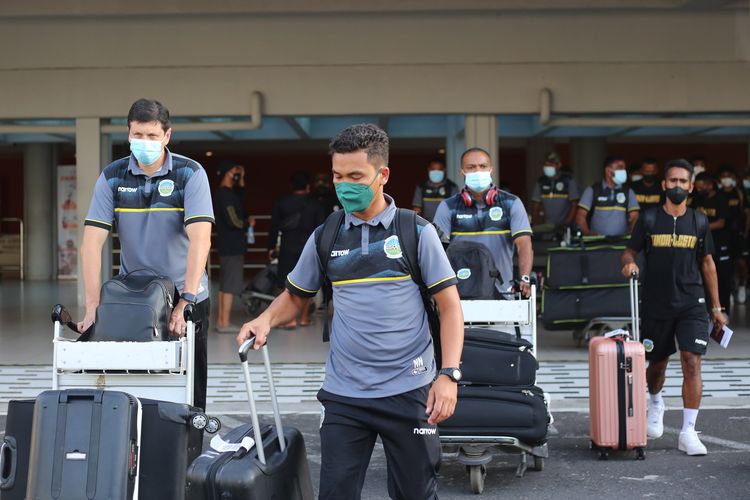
556	193
608	207
485	214
161	203
435	189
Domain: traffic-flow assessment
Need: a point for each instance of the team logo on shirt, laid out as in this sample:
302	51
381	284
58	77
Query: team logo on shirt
392	247
464	273
560	186
166	187
441	191
496	213
418	366
648	345
620	197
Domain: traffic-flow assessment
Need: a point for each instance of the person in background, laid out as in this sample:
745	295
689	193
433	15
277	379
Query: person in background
736	204
556	193
648	189
635	173
232	222
709	201
746	194
608	207
295	216
435	189
323	193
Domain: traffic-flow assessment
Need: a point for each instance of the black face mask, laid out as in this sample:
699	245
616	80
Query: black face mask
650	178
677	195
236	177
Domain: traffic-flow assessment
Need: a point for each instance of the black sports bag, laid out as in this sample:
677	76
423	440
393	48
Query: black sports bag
134	308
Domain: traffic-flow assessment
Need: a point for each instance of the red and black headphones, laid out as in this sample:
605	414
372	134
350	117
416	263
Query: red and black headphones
490	198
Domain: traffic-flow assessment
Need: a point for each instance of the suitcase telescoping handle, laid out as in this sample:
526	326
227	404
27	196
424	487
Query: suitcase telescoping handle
8	462
634	312
244	349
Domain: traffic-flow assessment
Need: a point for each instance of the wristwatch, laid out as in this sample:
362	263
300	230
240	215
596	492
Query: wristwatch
452	373
188	297
525	278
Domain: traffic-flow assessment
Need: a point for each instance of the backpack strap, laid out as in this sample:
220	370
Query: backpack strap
701	227
649	222
325	239
408	234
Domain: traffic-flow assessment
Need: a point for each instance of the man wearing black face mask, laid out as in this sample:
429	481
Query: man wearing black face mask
678	246
648	190
232	222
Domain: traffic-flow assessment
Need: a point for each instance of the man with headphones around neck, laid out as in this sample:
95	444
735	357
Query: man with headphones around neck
485	214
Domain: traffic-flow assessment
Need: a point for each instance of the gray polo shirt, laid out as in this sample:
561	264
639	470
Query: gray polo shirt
611	208
428	196
380	339
151	214
495	226
556	194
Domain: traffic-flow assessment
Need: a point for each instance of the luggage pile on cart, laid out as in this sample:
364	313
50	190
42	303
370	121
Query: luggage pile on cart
584	290
499	409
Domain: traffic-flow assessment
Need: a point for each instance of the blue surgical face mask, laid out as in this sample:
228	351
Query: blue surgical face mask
746	183
549	171
478	181
621	177
436	176
145	151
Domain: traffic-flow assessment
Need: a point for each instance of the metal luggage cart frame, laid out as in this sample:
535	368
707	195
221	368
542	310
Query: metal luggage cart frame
599	326
475	452
153	370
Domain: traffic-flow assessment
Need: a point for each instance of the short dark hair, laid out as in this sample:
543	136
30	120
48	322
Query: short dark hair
706	177
475	149
678	163
726	168
609	160
362	137
436	159
149	110
300	180
649	161
697	158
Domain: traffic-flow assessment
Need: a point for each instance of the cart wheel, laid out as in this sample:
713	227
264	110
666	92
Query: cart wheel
199	421
640	454
213	425
603	455
477	473
539	463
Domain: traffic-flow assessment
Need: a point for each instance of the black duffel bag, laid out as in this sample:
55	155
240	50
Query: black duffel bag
497	358
134	308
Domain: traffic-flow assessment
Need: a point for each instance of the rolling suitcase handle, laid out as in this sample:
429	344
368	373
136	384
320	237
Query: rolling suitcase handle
8	463
634	306
243	350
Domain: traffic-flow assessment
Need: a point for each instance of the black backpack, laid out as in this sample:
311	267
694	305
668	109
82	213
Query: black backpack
475	269
134	308
406	228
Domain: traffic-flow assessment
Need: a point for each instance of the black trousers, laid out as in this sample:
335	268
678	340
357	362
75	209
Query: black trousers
200	380
348	431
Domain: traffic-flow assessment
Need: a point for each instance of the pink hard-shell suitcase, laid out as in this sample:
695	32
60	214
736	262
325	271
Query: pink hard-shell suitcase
617	389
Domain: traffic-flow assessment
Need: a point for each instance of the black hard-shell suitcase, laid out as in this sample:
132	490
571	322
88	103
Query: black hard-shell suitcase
567	309
169	443
497	358
84	445
277	468
585	266
518	412
14	450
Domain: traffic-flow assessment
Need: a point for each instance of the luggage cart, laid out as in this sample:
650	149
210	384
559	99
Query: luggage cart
160	370
475	452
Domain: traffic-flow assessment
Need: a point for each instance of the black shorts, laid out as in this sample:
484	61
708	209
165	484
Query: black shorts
231	274
690	329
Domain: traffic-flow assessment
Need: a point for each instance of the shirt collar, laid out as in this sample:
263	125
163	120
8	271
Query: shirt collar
136	170
385	217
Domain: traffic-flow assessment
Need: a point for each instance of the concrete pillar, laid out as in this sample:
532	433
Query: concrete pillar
481	131
587	159
88	167
454	146
39	178
537	149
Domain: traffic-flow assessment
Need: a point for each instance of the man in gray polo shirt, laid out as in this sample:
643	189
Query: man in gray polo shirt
608	207
495	218
161	203
380	373
556	193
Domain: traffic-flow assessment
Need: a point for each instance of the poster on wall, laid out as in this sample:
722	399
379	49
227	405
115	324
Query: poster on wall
67	223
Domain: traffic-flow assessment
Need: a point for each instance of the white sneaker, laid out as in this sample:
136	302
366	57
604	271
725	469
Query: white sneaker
741	295
690	444
655	426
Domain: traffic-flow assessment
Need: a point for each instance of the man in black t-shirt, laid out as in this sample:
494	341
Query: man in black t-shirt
232	222
648	190
678	247
736	204
711	202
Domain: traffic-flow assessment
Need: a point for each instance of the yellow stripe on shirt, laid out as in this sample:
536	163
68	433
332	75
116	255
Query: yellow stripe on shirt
372	280
295	285
153	209
476	233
